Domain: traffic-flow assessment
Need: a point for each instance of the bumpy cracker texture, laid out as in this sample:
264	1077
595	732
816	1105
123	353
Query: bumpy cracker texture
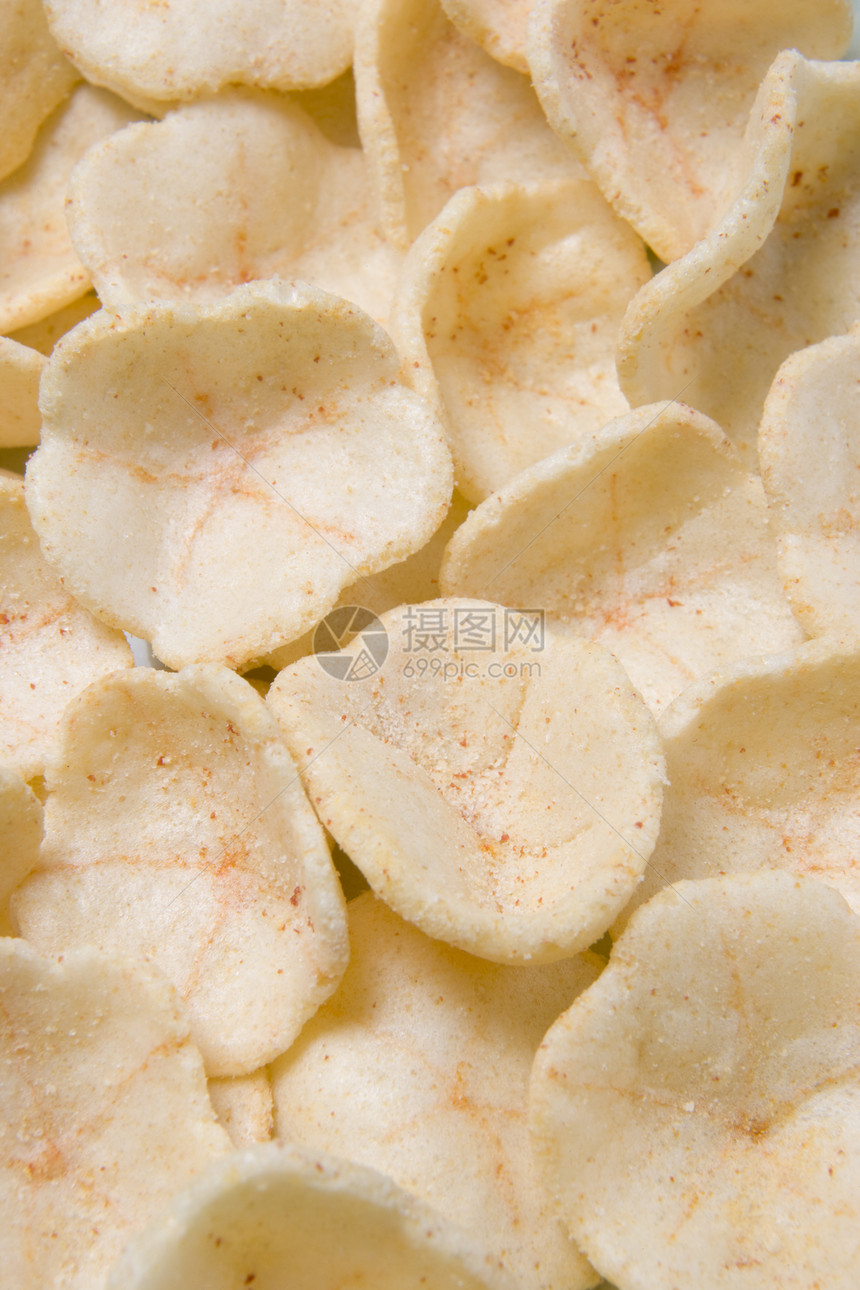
20	837
418	1066
39	271
103	1112
509	308
176	828
436	114
656	98
275	1215
244	1106
20	370
220	192
498	26
810	457
764	772
235	466
505	801
184	49
650	538
778	273
696	1113
51	648
34	76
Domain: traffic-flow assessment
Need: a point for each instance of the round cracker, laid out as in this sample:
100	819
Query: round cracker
505	798
696	1113
177	829
274	1214
236	464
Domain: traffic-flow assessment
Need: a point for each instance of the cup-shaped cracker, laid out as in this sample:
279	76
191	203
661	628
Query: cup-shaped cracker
39	271
779	271
497	785
763	772
656	98
696	1113
20	370
508	312
437	114
498	26
176	828
51	648
236	464
104	1112
220	192
274	1215
20	836
418	1066
184	49
650	537
34	78
809	449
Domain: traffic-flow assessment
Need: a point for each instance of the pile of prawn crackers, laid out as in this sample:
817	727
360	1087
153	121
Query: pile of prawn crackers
429	645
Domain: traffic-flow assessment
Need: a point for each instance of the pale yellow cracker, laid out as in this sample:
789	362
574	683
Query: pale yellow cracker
778	273
436	114
763	770
696	1113
237	187
509	306
184	49
39	271
497	785
649	537
51	648
418	1066
103	1112
34	78
809	449
20	370
254	457
656	98
176	828
20	837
